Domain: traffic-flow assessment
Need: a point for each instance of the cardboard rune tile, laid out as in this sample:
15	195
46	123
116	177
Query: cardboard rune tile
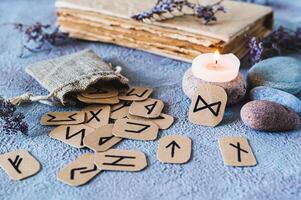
120	110
19	164
79	171
121	160
110	100
101	139
135	129
174	149
63	118
71	134
149	108
100	93
236	151
164	121
136	94
97	115
208	105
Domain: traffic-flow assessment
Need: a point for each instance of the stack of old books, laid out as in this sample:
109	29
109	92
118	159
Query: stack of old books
181	38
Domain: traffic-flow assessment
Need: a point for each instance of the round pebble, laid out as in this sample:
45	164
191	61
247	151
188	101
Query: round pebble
235	89
277	96
283	73
269	116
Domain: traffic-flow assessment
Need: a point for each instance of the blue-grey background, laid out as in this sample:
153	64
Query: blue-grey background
277	175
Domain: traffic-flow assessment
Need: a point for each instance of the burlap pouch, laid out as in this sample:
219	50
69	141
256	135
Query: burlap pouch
65	76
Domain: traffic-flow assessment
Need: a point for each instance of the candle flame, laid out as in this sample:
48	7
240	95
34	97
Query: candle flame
216	56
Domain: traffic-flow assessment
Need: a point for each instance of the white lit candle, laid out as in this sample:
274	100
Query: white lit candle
213	67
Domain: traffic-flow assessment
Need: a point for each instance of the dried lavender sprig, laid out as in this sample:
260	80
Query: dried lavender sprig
37	36
11	121
255	50
207	13
166	9
281	41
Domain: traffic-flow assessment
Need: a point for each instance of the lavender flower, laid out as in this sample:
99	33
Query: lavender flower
207	13
166	9
11	121
255	50
38	36
161	8
279	42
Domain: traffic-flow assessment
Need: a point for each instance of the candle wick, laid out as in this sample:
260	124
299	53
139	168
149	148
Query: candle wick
215	61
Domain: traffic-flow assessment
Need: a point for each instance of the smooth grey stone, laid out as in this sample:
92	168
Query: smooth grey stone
269	116
277	96
283	73
235	89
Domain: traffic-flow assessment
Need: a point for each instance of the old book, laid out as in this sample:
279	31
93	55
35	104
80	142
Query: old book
181	38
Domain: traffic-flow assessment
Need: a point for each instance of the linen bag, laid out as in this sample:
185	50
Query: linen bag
65	76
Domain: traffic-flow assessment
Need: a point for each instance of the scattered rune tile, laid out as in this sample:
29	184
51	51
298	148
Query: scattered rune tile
110	100
208	105
100	93
97	115
72	135
63	118
120	110
120	160
136	94
19	164
164	121
135	129
174	149
236	151
101	139
149	108
79	171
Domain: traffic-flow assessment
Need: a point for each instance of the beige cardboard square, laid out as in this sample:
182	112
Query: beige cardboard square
100	93
208	105
63	118
71	134
149	108
121	160
135	129
79	171
97	115
164	121
101	139
19	164
174	149
236	151
136	94
120	110
110	100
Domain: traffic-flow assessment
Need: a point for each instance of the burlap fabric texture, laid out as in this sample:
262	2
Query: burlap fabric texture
65	76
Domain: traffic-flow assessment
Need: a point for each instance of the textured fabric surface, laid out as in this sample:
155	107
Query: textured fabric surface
277	175
73	73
